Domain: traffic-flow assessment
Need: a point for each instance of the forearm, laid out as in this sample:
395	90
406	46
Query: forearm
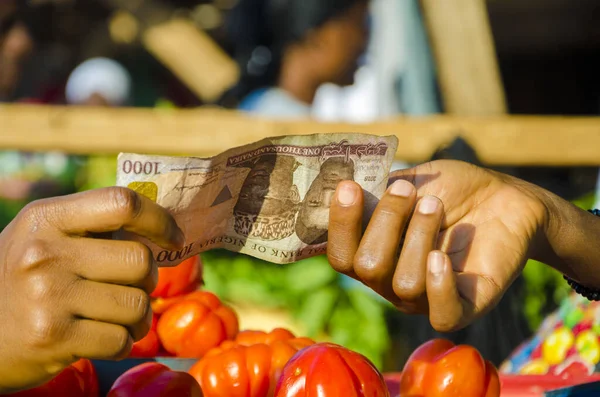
570	241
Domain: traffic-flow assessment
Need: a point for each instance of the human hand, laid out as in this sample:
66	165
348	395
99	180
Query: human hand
68	291
447	239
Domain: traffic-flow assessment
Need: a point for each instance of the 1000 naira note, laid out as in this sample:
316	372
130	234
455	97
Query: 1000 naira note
269	199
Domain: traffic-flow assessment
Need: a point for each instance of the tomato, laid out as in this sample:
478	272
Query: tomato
154	380
329	370
179	280
77	380
149	345
161	305
251	337
88	373
248	366
196	324
439	368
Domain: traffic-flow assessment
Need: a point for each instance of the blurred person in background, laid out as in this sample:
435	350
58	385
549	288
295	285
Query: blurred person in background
288	49
16	45
99	82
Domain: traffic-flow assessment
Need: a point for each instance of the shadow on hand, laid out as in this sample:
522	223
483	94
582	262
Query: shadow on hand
497	333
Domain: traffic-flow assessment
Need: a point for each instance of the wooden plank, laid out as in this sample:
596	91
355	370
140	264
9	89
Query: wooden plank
463	46
498	140
193	57
188	52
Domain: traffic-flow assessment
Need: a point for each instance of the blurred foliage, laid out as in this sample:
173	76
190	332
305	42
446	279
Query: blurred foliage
98	171
311	291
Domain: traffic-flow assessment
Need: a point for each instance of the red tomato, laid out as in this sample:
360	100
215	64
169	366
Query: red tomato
149	345
161	305
154	380
251	337
329	370
196	324
179	280
77	380
438	368
249	366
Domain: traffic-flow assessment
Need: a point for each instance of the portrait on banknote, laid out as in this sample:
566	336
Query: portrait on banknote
313	216
268	201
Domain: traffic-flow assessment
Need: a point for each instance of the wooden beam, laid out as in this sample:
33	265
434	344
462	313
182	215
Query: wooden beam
463	46
192	56
498	140
188	52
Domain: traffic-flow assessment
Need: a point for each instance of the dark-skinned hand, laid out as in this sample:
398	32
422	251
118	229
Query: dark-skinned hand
67	290
446	240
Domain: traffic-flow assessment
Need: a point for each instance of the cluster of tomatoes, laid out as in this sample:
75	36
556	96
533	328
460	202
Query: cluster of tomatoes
192	323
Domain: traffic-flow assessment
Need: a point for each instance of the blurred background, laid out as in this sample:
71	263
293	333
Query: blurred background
330	60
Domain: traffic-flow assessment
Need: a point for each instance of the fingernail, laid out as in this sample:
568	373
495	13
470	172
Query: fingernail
401	188
428	205
436	263
346	194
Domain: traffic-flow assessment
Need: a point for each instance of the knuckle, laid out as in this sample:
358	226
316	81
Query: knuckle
418	233
35	254
141	261
120	346
386	210
44	329
33	214
338	261
139	302
40	287
337	217
369	269
418	238
340	223
126	202
408	289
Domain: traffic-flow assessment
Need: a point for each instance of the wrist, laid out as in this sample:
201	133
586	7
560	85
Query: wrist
569	239
550	224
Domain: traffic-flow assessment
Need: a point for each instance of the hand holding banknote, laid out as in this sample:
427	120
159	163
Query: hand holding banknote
448	239
269	199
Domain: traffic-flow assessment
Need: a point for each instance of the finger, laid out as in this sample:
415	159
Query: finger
114	262
115	208
345	226
116	304
375	259
419	241
446	306
96	340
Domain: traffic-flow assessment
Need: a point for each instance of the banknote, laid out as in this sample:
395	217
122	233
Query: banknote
269	199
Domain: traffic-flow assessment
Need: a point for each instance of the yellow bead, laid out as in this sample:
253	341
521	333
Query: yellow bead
556	346
588	347
535	367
